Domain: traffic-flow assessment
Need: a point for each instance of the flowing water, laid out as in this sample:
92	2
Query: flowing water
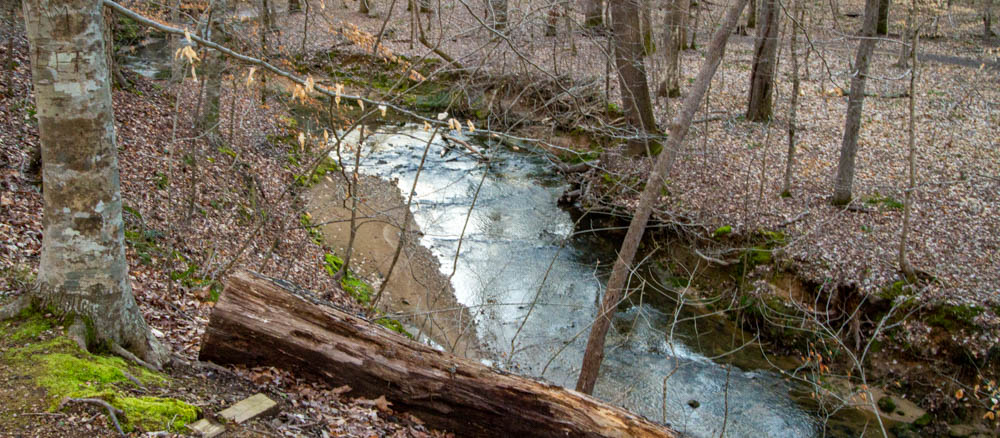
519	248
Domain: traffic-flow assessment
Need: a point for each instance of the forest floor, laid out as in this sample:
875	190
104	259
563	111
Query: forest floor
189	208
191	203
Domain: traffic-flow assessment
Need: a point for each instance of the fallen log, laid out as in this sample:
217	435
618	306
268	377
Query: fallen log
261	321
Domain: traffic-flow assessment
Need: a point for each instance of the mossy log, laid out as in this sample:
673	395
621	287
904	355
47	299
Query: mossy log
260	321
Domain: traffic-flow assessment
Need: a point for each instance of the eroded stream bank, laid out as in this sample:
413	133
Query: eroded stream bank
530	283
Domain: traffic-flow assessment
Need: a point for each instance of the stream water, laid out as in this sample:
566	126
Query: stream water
519	248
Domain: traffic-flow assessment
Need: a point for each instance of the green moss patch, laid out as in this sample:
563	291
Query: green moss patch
59	367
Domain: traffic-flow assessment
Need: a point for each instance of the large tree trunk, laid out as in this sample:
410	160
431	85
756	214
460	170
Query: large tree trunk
594	354
593	13
83	271
259	322
844	182
764	59
632	76
882	27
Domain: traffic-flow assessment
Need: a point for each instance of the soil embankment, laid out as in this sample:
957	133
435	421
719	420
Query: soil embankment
418	294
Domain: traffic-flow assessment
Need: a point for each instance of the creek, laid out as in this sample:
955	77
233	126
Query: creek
532	283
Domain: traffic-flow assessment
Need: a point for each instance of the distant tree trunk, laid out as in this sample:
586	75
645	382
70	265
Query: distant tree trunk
882	28
786	188
594	354
497	14
212	71
176	68
904	263
904	56
674	41
83	271
632	75
762	73
294	6
844	182
646	25
364	7
593	13
752	15
988	18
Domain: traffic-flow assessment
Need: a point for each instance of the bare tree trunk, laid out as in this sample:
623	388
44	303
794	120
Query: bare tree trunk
176	68
593	13
844	182
646	25
988	18
212	71
674	40
594	354
83	270
752	15
882	28
363	7
294	6
786	188
764	59
904	263
632	75
904	56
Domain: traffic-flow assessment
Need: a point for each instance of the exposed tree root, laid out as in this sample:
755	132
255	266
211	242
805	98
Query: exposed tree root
111	409
77	332
127	355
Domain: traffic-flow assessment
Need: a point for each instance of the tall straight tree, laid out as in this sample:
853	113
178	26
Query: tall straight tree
632	75
674	40
83	272
214	67
843	185
764	59
882	27
594	354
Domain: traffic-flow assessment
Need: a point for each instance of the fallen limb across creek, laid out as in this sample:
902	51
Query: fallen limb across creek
261	321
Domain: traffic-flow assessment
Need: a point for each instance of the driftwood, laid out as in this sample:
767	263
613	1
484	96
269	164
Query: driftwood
260	321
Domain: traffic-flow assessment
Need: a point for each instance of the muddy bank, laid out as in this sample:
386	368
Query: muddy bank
418	294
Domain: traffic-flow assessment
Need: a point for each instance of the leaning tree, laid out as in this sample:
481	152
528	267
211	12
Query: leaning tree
83	273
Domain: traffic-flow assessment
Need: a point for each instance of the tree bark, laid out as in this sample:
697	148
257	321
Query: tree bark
882	27
294	6
904	262
786	188
752	15
594	354
988	19
258	321
593	13
83	271
674	40
212	71
844	182
759	108
632	76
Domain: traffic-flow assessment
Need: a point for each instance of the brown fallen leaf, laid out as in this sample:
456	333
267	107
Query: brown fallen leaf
381	403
